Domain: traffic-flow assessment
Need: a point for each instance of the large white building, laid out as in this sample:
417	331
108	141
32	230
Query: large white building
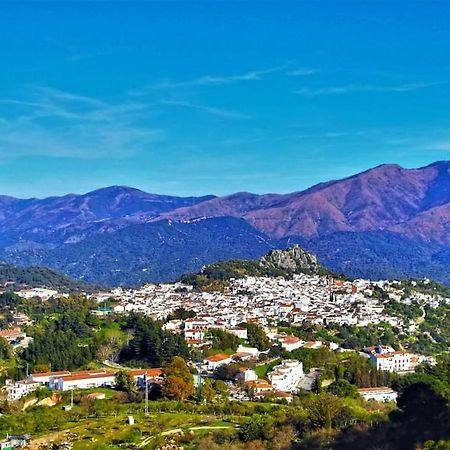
42	293
286	376
86	379
245	374
82	381
395	361
380	394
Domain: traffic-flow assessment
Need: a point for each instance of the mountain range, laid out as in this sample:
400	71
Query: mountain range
386	222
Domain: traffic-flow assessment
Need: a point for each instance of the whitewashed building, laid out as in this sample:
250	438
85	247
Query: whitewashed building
15	390
380	394
286	376
215	361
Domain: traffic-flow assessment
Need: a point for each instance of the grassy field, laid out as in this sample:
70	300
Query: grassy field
148	431
263	369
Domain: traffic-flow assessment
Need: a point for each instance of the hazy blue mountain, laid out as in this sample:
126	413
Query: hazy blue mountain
71	218
385	222
158	251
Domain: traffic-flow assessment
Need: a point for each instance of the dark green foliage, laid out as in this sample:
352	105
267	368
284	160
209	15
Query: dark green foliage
256	337
122	256
5	349
62	350
227	372
151	344
411	312
360	372
317	385
424	415
343	388
125	382
223	340
41	277
321	357
257	427
9	300
354	337
434	336
181	314
65	340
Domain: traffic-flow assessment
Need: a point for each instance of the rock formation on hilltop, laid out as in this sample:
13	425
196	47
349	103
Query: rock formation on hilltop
293	259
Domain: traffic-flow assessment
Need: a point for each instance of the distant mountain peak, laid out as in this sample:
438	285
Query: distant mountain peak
403	205
440	164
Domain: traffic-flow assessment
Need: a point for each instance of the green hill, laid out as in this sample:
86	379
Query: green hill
40	277
277	263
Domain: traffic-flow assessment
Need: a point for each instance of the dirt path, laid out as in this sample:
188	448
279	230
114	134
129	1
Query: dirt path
58	436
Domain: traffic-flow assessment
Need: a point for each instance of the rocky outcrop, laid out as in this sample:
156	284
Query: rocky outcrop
293	259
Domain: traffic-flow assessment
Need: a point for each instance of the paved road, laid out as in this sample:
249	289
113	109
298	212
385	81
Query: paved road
307	381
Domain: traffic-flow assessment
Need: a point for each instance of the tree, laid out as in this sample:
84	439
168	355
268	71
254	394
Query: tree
5	349
177	388
223	340
222	390
257	427
323	409
151	344
343	388
111	344
227	372
125	382
179	383
181	314
213	390
317	385
257	337
284	438
207	391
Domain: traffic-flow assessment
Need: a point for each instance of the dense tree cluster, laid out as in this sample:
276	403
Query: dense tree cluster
257	337
223	340
65	340
58	350
151	345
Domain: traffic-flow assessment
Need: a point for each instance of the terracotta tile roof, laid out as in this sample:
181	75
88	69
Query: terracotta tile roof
219	357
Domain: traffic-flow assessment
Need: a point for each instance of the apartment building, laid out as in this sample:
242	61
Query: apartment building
286	376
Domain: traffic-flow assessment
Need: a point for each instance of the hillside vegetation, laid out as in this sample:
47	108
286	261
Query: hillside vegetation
277	263
40	277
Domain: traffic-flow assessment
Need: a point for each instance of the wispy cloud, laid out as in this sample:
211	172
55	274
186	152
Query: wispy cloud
210	80
351	88
207	109
301	72
438	145
62	124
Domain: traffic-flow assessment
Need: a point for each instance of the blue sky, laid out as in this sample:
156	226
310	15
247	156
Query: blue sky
217	97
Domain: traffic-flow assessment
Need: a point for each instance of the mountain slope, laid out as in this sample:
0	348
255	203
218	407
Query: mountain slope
71	218
159	251
386	221
40	277
383	198
378	255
